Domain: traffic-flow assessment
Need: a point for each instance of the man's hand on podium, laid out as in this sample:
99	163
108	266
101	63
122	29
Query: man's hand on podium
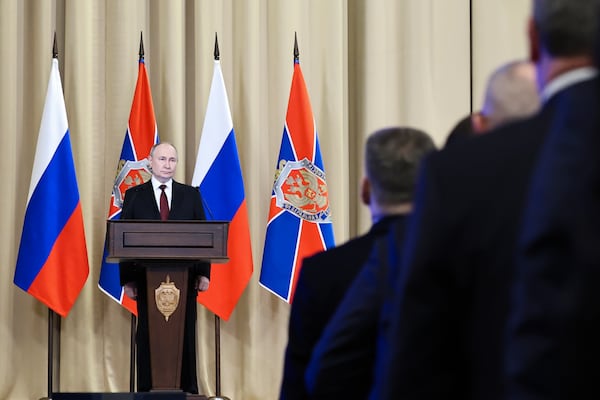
131	290
201	283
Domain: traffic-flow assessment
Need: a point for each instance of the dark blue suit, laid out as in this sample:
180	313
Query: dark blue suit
324	279
186	204
554	333
342	362
452	296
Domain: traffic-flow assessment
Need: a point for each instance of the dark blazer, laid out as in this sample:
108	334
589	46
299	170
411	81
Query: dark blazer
452	296
324	278
554	333
186	204
342	362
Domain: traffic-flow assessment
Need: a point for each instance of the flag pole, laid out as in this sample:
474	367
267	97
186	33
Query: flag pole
133	325
51	313
132	350
217	395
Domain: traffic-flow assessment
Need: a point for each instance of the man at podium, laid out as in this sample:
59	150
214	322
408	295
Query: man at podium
162	198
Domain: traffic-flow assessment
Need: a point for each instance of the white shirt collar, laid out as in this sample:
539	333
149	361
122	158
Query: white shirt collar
567	79
156	183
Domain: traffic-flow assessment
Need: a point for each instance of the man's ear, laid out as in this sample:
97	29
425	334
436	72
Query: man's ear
365	191
478	123
534	41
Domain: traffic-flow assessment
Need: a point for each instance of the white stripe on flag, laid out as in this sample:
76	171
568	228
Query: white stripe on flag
217	122
53	127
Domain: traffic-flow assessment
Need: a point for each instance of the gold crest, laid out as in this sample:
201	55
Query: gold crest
167	298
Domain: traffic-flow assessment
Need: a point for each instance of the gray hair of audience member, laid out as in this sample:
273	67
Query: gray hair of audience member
566	27
392	157
511	94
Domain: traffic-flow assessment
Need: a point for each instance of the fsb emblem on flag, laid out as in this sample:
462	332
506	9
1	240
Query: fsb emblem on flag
301	189
129	174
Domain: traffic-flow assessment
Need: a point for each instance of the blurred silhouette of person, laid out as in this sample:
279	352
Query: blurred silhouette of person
391	161
553	347
451	300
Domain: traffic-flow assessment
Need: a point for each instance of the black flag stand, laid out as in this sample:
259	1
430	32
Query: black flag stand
132	350
53	344
217	395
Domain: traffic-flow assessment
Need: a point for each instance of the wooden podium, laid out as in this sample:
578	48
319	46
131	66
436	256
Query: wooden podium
166	250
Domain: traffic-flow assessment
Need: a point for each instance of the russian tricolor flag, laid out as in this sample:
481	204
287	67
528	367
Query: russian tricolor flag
219	175
52	264
132	170
299	222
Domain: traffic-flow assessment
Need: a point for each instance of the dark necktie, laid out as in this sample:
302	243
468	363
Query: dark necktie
164	204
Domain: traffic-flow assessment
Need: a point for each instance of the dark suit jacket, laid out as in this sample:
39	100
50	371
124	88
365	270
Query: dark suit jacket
186	204
323	281
451	300
554	333
342	362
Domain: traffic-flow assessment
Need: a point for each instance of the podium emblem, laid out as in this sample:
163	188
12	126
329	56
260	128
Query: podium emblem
167	298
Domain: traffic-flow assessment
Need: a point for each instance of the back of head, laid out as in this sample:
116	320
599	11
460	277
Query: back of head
461	131
511	94
566	28
392	158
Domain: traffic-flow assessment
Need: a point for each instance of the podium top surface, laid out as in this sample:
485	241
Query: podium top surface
191	240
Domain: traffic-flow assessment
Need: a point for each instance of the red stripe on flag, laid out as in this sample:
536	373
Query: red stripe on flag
273	209
299	118
142	123
52	286
129	304
236	273
309	243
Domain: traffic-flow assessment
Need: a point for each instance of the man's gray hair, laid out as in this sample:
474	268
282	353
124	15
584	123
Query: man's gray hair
566	27
166	143
392	158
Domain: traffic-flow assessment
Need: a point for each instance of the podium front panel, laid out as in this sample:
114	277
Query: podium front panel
167	240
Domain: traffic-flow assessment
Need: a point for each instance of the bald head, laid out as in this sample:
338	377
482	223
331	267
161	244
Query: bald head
511	94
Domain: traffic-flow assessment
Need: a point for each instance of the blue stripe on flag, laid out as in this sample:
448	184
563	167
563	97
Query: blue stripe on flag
280	249
109	277
52	203
226	175
318	159
326	229
286	152
127	150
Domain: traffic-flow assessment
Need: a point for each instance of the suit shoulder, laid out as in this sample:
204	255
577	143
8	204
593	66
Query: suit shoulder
183	187
515	143
138	188
347	253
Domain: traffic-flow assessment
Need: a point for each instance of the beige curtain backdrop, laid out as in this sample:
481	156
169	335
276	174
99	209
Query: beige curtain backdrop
367	65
